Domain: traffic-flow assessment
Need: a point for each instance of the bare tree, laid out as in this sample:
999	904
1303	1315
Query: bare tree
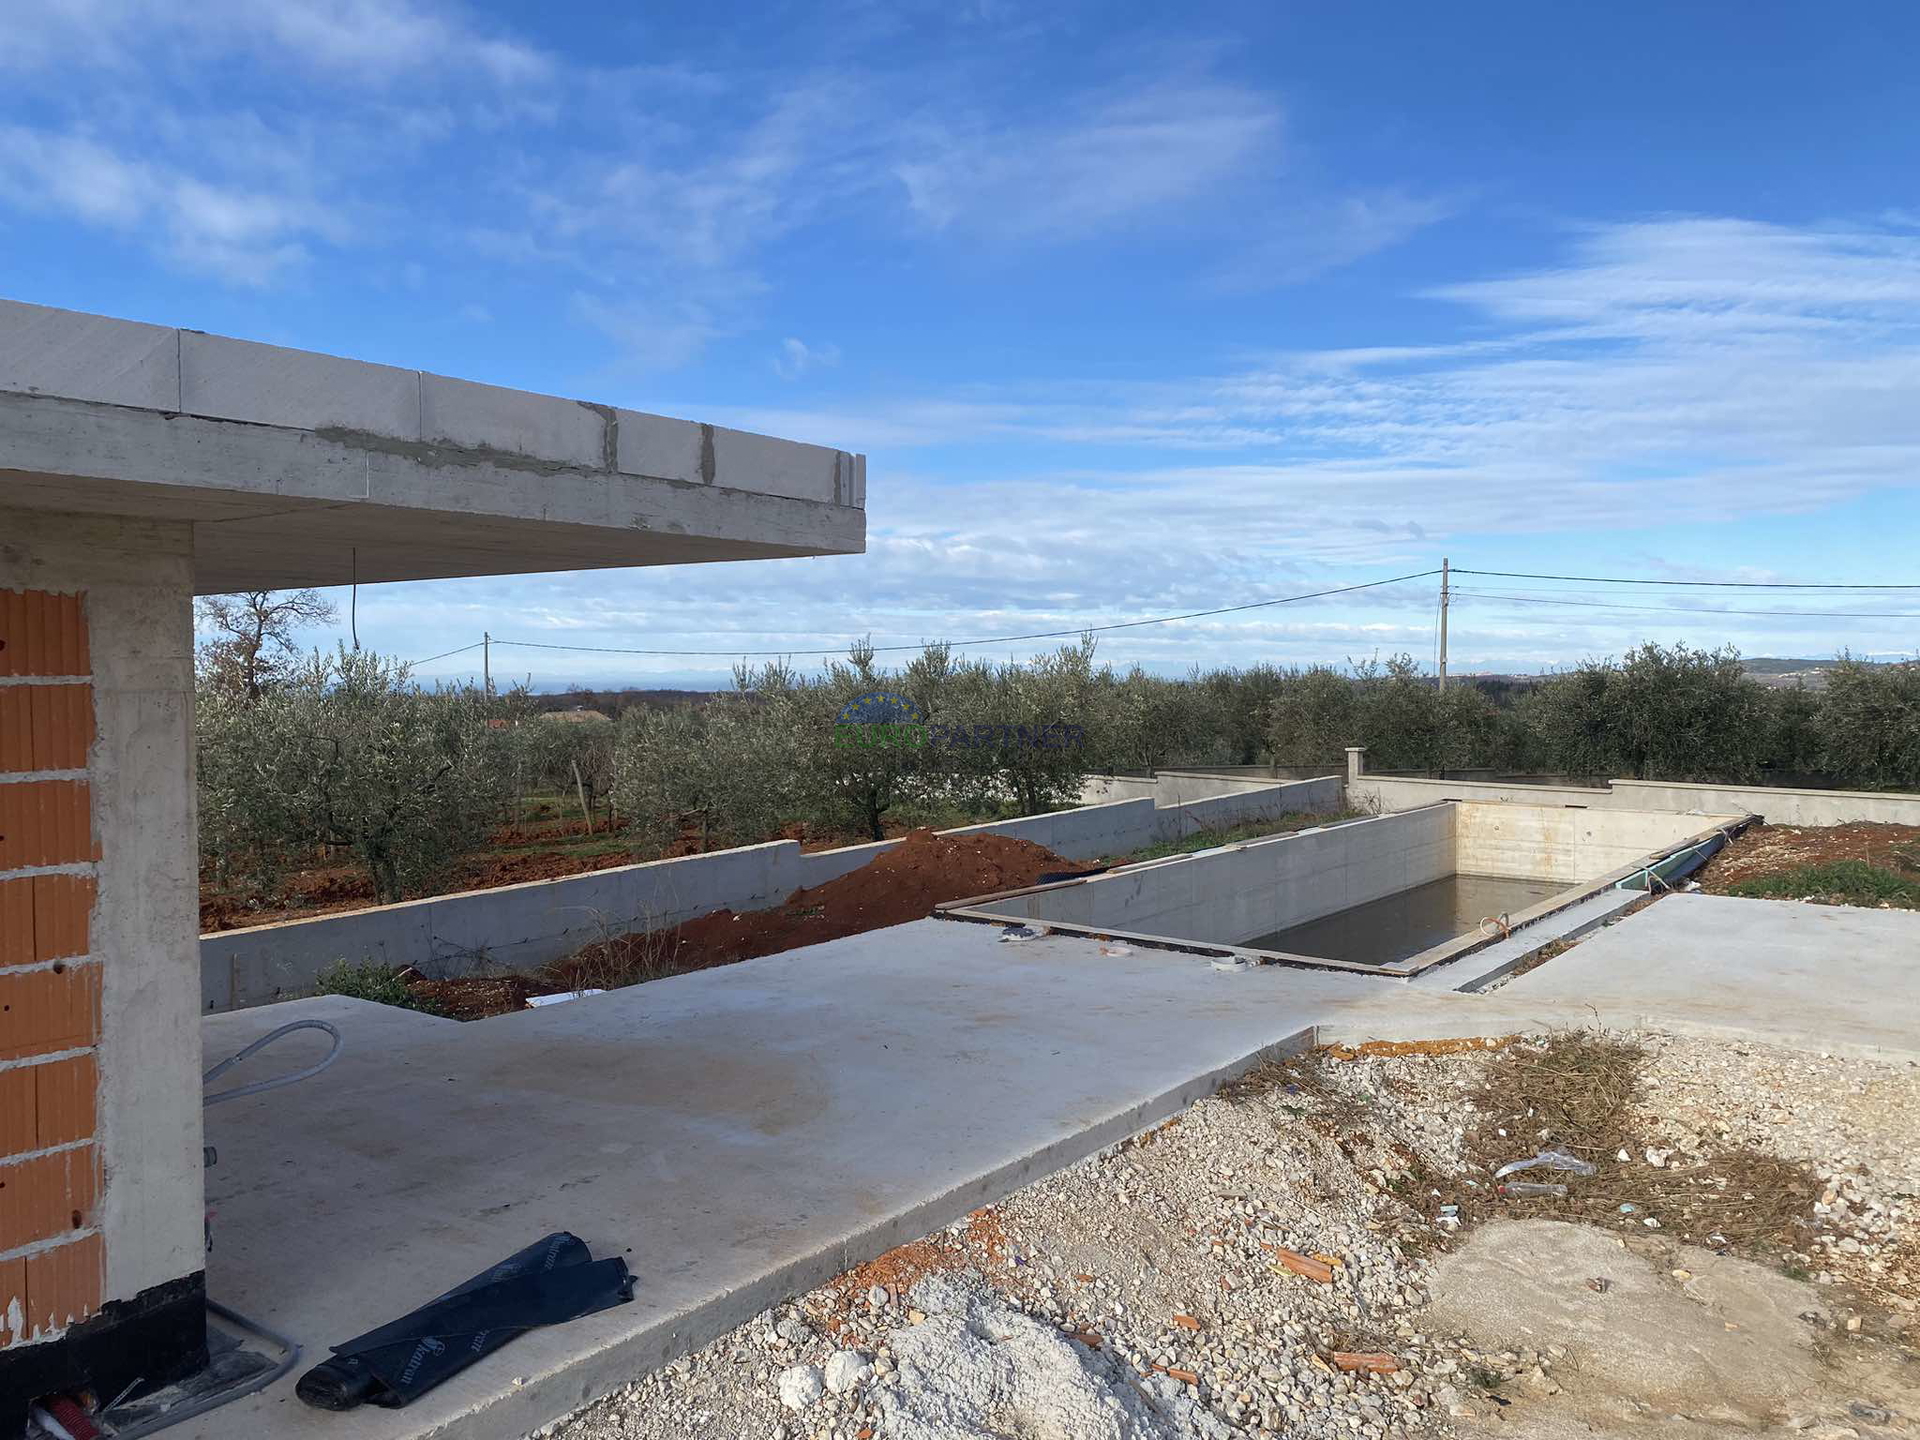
250	646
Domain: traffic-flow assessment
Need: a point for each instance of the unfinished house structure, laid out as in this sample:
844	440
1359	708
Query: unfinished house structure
140	466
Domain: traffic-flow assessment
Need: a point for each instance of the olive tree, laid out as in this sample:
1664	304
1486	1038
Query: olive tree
1313	718
347	754
571	753
718	773
1870	723
862	735
1031	725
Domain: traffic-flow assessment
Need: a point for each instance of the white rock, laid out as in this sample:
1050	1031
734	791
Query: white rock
800	1386
847	1370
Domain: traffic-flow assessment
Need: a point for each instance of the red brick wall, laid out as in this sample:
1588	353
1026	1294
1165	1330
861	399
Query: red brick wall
51	1259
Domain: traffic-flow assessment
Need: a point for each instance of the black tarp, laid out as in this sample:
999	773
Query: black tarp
553	1280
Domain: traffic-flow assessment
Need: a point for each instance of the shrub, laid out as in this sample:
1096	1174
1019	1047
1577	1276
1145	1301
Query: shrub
370	980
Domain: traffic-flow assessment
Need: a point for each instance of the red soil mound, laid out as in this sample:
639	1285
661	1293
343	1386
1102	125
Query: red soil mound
922	871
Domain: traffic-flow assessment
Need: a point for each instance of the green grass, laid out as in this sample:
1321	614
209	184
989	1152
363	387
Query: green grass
577	845
1254	830
1834	882
371	981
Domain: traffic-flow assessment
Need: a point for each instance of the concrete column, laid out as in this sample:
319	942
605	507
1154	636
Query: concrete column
1356	762
101	1234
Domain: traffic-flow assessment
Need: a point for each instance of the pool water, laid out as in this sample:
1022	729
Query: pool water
1403	924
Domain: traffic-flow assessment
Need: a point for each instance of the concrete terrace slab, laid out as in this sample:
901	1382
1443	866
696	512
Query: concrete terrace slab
742	1134
738	1135
1824	977
308	469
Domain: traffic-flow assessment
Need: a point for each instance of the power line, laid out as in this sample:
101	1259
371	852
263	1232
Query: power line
445	653
1715	584
1288	600
1684	610
988	640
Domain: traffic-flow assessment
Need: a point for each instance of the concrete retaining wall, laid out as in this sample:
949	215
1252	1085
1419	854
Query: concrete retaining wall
1388	793
1781	806
1233	895
1539	842
1178	787
520	927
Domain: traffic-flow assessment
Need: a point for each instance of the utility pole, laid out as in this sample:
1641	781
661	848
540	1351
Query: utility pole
486	659
1443	625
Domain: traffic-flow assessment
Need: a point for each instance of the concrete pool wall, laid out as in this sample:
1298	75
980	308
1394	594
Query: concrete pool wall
1231	895
1228	895
1555	842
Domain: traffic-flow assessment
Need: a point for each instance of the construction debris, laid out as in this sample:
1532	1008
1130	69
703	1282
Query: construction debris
1069	1305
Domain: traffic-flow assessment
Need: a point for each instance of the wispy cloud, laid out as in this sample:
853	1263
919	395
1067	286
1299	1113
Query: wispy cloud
1663	361
1317	234
1669	371
795	358
650	337
1112	160
249	236
358	42
237	134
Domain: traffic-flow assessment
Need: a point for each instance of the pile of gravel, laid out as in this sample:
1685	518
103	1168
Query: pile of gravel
1146	1294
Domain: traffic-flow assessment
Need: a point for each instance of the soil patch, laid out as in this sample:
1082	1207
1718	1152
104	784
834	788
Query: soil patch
328	890
1580	1094
926	869
1781	852
472	997
538	848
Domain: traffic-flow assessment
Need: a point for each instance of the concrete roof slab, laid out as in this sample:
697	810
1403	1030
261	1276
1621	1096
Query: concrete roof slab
307	469
88	357
662	447
470	415
226	379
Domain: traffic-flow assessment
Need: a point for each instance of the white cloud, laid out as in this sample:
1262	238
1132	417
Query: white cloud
1317	235
1669	372
795	358
650	338
243	235
1664	363
361	42
236	137
1137	155
240	137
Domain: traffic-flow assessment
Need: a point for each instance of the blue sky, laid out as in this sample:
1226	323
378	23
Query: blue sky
1135	311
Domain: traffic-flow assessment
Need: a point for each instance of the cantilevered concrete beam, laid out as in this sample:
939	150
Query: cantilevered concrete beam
304	469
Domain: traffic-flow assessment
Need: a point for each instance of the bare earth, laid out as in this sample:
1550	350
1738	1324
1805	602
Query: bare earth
1280	1261
1771	849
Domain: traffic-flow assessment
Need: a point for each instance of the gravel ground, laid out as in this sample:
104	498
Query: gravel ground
1261	1266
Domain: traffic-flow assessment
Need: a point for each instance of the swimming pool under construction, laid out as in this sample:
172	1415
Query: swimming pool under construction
1394	894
